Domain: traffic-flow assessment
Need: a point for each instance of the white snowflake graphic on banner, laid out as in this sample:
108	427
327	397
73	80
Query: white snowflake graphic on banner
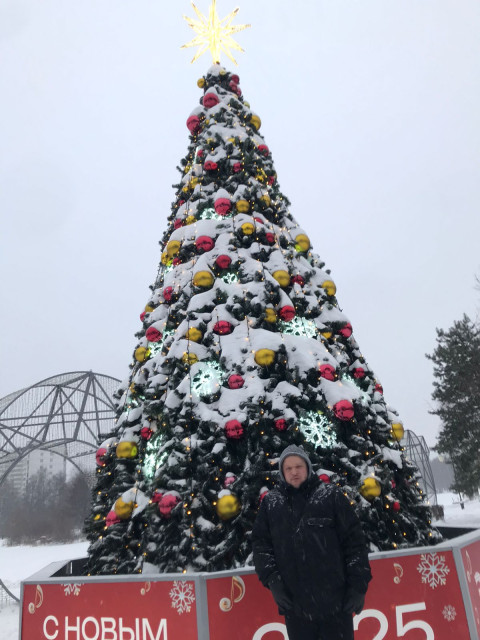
433	569
449	613
182	596
71	589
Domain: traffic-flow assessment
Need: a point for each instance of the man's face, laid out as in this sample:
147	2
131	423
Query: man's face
295	471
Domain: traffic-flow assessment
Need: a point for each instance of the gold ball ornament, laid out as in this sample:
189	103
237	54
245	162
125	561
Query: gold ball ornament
302	242
265	357
194	334
370	488
190	219
148	309
203	279
397	431
248	228
282	277
173	247
330	287
123	509
97	517
242	206
126	450
255	121
189	358
201	83
265	200
326	334
228	507
270	315
142	354
192	183
166	258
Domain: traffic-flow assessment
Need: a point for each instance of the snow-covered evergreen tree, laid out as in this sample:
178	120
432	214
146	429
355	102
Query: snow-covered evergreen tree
243	350
456	369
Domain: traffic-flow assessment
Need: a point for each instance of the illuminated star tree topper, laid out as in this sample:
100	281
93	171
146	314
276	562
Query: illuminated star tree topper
214	34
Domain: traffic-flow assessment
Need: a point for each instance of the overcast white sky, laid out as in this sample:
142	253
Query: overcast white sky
371	109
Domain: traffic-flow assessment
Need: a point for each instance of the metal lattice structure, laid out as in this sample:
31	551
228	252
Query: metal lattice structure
65	414
416	450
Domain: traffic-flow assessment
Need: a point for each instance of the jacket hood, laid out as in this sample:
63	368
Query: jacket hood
293	450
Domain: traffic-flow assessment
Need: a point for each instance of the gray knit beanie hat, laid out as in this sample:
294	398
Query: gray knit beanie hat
293	450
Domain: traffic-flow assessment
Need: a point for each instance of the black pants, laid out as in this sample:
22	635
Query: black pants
338	627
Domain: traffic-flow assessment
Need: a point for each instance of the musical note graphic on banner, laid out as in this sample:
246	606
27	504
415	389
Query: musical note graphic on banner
38	600
399	571
237	592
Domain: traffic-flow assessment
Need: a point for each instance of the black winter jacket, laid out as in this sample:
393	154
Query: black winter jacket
312	538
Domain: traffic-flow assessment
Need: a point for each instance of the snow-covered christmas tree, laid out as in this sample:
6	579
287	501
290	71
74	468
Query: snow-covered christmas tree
243	349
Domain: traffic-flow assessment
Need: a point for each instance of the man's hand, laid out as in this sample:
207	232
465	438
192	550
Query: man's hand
279	593
353	601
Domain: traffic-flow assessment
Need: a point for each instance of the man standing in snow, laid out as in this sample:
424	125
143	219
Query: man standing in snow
310	551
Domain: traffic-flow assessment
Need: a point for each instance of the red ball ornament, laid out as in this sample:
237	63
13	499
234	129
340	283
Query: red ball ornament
396	506
237	166
324	478
233	86
270	238
222	206
346	330
263	149
177	223
146	433
280	424
238	91
234	78
210	166
344	410
204	243
176	261
235	381
193	124
111	518
259	220
100	457
287	313
153	335
168	294
394	484
271	180
263	494
359	372
229	480
200	153
379	388
157	496
298	280
222	328
142	315
223	262
167	503
327	372
234	429
210	100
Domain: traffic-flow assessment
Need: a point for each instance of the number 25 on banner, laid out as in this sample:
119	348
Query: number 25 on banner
402	628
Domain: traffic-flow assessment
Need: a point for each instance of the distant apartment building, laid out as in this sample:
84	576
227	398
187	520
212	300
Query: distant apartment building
30	465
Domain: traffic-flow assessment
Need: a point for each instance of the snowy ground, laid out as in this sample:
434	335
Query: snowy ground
18	563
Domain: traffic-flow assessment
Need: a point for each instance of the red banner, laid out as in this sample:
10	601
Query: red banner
417	597
471	562
110	611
